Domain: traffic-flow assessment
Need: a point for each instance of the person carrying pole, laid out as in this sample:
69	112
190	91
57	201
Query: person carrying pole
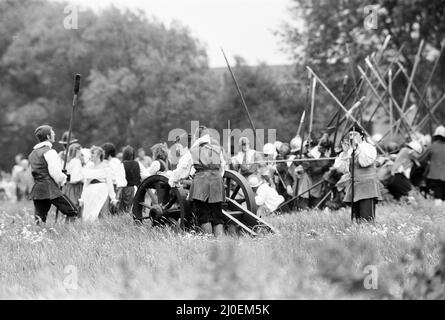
364	189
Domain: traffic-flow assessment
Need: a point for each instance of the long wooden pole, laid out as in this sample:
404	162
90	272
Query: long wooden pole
240	94
416	90
382	83
311	118
340	104
433	109
411	79
391	111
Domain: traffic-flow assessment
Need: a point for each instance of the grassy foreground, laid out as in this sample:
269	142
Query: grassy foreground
316	255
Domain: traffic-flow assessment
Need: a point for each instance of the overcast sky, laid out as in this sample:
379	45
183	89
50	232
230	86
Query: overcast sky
242	27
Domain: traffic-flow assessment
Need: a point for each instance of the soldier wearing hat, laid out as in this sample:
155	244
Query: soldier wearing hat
367	189
435	155
207	188
399	183
48	177
266	198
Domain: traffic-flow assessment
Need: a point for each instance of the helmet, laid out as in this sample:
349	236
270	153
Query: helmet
295	144
269	149
254	181
416	146
278	144
440	131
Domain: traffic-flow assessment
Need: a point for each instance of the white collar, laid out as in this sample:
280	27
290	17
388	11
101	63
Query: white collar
43	144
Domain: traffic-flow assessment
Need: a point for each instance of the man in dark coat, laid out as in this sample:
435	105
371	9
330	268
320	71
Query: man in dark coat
48	177
367	188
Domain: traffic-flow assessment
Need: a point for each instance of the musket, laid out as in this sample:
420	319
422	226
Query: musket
298	195
76	93
295	160
240	94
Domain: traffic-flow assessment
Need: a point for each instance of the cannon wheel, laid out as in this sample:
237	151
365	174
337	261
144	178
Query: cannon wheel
239	207
159	193
238	189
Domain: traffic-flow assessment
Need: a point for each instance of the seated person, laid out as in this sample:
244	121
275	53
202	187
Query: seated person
267	198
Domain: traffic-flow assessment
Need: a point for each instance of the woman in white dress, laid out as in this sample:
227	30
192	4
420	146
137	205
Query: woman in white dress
98	186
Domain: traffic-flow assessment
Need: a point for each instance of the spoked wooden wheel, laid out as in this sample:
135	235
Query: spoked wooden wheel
157	201
239	207
237	189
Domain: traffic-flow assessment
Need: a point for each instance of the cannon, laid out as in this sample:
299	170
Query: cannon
157	201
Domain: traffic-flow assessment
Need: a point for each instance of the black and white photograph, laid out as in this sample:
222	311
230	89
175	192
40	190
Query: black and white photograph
220	156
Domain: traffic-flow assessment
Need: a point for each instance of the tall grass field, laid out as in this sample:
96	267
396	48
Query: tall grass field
315	255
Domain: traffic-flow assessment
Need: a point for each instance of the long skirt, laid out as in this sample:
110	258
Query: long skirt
94	197
73	191
126	199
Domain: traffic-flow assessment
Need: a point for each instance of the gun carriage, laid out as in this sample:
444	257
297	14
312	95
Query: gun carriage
157	201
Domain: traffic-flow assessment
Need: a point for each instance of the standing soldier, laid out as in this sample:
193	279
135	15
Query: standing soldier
207	189
366	191
48	177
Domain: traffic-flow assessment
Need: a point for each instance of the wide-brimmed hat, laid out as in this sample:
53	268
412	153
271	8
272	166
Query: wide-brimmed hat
64	139
254	181
440	131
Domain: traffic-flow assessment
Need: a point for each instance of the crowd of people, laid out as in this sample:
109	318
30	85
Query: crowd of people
292	176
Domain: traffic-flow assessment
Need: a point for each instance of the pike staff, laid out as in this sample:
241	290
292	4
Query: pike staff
411	79
352	172
311	119
345	82
240	94
76	93
341	105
